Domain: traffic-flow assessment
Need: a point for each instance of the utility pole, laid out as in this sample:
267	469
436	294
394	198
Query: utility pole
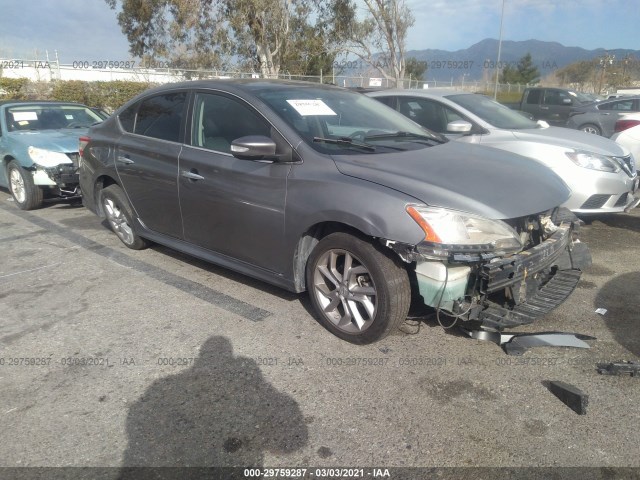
495	91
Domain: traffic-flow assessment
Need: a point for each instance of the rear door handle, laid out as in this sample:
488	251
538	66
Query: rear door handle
192	175
544	108
125	159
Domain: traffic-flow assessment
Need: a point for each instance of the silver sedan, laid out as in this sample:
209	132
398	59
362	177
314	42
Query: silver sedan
600	173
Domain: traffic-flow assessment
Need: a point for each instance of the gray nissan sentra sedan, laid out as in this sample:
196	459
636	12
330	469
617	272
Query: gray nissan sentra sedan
317	188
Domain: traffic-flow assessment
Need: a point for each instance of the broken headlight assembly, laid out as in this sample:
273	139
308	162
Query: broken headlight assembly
449	231
47	158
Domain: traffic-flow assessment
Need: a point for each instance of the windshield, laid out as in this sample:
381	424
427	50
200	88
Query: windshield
342	122
493	112
43	116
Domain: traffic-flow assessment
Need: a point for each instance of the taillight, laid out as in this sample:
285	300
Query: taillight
622	125
83	143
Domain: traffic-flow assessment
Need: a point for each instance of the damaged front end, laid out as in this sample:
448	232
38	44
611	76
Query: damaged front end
496	274
56	171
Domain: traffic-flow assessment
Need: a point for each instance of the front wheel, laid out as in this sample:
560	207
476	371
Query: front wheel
120	217
26	194
360	293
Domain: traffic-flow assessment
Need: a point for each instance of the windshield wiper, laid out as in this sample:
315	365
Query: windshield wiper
346	141
382	136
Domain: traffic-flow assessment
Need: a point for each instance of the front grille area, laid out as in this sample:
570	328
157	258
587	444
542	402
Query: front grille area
595	201
622	201
628	165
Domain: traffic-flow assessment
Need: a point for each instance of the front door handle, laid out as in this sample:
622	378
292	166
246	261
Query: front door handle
544	108
191	175
125	159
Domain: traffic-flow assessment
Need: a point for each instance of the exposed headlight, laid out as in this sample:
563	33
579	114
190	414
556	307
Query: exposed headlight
447	231
593	161
47	158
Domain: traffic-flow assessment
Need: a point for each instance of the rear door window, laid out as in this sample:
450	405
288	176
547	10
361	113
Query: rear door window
533	98
161	116
621	105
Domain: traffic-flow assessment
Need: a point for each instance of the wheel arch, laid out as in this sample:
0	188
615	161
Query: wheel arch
102	182
311	237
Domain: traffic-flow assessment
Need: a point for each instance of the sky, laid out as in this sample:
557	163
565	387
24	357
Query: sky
87	30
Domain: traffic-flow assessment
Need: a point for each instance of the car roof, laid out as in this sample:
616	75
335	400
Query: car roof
620	99
249	85
37	102
426	92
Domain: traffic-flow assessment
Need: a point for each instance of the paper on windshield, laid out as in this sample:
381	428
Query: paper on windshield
311	107
24	116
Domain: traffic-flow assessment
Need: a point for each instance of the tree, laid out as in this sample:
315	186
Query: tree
380	38
527	71
578	73
415	68
524	72
263	34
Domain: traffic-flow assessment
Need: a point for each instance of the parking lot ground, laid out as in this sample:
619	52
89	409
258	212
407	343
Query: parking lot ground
112	357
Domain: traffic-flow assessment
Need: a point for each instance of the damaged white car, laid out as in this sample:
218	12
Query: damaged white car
39	149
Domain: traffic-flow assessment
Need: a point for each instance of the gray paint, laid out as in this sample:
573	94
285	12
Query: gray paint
251	216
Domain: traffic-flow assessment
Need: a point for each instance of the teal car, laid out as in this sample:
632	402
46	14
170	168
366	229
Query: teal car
39	149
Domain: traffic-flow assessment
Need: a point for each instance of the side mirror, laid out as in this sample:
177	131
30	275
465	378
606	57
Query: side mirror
253	147
459	126
567	101
542	124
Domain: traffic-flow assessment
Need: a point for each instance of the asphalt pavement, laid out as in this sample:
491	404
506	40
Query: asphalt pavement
111	357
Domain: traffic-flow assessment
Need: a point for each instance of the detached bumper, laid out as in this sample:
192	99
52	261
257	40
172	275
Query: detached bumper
526	286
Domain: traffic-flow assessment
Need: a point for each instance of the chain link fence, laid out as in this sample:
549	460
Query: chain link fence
46	71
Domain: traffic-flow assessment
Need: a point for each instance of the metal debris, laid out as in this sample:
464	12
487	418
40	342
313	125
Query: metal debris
519	343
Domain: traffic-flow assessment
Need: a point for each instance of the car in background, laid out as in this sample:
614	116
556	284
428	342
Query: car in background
601	174
600	118
628	133
39	149
317	188
103	114
553	105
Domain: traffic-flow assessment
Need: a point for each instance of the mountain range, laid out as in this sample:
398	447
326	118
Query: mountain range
473	62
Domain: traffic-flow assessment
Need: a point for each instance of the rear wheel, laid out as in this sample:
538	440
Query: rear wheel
26	195
590	128
360	293
120	217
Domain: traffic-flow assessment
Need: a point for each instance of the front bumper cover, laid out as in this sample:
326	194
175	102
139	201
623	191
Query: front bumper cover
536	280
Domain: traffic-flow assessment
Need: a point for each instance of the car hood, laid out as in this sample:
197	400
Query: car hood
470	178
65	140
571	139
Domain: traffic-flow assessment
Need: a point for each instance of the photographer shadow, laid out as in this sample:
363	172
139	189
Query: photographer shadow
218	413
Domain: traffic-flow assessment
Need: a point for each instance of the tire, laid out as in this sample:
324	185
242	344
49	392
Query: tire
120	217
26	194
371	303
590	128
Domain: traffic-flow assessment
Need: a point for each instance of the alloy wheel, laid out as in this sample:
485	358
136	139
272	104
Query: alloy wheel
344	288
17	186
118	221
